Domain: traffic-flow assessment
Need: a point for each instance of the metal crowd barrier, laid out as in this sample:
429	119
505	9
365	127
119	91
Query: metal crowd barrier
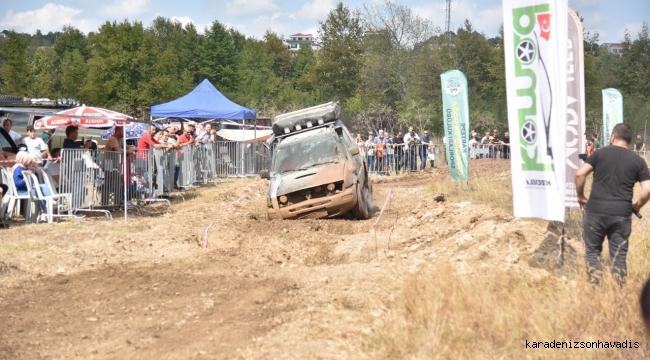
403	158
146	179
83	176
489	151
95	178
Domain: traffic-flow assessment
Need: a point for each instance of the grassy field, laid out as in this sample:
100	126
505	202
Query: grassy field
495	314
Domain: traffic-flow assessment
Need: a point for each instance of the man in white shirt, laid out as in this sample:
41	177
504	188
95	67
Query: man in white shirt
54	166
411	140
35	145
8	124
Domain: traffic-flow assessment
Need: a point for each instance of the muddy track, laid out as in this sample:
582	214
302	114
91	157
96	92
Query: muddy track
262	289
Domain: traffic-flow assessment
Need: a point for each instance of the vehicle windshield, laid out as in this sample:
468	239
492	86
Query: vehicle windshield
309	152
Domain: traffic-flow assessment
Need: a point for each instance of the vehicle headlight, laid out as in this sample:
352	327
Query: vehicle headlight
283	199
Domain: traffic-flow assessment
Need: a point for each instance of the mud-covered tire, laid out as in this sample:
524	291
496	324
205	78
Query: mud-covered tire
10	98
360	209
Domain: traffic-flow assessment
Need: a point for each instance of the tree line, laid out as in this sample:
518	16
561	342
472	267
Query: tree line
381	61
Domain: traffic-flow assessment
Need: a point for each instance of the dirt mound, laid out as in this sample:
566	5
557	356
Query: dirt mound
262	289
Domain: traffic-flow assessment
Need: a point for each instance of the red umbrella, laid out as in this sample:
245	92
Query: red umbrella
83	116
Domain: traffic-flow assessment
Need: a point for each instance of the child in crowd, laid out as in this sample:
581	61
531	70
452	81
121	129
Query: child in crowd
431	154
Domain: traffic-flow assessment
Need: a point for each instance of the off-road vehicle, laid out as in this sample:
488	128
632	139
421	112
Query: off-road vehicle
316	171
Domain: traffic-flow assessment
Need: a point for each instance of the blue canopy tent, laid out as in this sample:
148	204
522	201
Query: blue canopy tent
204	102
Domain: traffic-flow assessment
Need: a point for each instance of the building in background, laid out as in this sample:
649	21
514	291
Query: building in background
614	48
296	41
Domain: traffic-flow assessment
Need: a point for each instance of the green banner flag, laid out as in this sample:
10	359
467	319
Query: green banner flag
456	114
612	112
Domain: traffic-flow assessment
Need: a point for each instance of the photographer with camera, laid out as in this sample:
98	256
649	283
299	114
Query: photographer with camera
609	209
412	141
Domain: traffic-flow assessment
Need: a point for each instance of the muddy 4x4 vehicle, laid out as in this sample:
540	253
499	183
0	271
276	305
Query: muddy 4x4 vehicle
317	171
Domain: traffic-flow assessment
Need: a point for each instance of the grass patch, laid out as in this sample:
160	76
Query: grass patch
441	314
495	189
23	247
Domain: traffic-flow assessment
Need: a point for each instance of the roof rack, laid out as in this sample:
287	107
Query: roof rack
306	118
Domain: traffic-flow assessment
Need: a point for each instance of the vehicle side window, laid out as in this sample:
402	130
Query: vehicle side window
20	122
345	137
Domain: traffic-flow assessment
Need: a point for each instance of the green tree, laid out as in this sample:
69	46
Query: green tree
396	33
73	74
16	66
280	58
121	64
635	64
43	78
218	58
71	39
339	62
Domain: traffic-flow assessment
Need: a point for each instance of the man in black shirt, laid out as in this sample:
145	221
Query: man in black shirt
639	145
71	135
505	146
398	143
609	208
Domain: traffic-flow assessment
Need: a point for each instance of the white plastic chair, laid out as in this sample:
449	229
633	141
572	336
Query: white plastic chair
50	201
14	198
51	184
7	198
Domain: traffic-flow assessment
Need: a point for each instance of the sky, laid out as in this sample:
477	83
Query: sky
610	18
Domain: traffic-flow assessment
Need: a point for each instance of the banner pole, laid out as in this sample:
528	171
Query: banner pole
126	187
645	127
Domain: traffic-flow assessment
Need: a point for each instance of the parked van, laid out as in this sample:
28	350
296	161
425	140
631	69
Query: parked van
20	121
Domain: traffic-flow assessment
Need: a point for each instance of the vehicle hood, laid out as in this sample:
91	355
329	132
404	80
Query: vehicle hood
287	183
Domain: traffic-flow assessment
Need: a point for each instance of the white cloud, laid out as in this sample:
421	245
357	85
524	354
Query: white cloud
51	17
582	5
184	20
632	28
303	20
316	10
595	22
241	8
484	20
127	8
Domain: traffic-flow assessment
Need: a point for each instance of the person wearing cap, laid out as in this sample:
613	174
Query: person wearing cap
23	161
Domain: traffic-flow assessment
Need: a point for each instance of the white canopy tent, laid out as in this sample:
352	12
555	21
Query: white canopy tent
247	136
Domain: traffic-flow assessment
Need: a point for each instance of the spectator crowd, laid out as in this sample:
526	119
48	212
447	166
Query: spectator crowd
388	154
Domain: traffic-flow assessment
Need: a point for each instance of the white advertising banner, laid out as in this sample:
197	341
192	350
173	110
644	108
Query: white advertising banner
535	41
575	126
612	112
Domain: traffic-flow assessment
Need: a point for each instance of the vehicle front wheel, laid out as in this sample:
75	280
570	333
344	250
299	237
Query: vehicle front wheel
361	210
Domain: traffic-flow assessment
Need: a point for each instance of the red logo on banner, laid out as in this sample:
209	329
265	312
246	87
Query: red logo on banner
544	21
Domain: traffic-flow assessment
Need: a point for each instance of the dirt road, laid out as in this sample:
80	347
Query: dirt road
262	289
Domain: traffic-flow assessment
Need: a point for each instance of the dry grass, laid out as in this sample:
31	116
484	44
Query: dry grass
444	315
495	189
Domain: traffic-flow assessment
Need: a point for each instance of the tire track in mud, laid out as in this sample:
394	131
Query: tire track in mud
263	289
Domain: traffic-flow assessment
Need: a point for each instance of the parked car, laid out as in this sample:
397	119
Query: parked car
21	120
316	171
